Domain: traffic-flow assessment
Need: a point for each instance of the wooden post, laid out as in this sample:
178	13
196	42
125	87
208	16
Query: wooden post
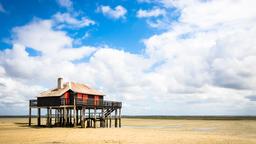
61	117
38	117
119	117
29	117
77	116
50	117
102	118
115	117
106	122
75	111
55	116
65	116
47	117
94	117
83	117
80	116
110	120
89	120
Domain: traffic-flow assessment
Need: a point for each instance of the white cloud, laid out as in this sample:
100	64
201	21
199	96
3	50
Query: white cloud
150	13
67	20
65	3
192	68
116	13
2	8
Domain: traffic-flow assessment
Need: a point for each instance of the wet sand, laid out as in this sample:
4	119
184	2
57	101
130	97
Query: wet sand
150	131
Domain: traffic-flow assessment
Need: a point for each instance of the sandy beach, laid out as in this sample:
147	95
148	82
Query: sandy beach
15	130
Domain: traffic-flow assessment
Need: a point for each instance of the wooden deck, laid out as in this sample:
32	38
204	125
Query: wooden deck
75	112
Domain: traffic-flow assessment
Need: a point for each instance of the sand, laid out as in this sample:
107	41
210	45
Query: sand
150	131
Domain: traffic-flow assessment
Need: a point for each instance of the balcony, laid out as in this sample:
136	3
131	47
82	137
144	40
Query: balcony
79	102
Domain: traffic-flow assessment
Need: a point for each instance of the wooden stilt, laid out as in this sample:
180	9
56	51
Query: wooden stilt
110	120
70	117
102	118
77	116
83	117
47	117
65	116
80	117
50	117
94	118
120	117
106	122
38	116
29	116
75	112
115	117
89	120
55	116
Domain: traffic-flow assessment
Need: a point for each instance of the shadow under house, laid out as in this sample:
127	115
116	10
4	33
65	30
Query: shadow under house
73	104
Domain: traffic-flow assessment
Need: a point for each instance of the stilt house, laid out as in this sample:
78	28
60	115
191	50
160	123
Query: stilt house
73	104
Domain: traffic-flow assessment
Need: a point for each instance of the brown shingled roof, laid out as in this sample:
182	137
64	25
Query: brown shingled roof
75	87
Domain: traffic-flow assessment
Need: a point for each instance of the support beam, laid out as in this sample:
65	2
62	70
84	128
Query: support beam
106	122
61	117
75	111
94	117
29	116
120	117
102	118
55	116
50	117
77	116
47	117
83	117
110	120
115	117
38	117
65	116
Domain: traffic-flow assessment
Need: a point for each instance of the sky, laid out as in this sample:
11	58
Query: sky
159	57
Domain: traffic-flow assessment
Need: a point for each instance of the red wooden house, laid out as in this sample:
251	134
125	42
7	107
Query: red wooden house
73	104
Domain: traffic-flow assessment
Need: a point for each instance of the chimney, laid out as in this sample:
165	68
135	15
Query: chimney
60	83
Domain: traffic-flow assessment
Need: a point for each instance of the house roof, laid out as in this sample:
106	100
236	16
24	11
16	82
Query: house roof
75	87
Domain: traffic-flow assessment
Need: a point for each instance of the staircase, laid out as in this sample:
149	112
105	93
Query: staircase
108	111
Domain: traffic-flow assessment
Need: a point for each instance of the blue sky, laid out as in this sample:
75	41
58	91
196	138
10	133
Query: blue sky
124	33
166	57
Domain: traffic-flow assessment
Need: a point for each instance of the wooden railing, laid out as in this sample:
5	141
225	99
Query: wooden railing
88	102
33	102
92	102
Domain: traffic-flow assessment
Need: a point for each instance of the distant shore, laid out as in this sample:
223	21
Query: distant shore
222	117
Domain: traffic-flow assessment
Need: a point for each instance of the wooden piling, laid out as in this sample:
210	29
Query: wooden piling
94	118
115	117
65	116
75	113
38	117
83	118
47	117
119	117
102	118
29	116
110	120
50	117
106	122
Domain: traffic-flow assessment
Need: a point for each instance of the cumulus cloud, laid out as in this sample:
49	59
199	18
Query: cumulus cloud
150	13
65	3
67	20
115	13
